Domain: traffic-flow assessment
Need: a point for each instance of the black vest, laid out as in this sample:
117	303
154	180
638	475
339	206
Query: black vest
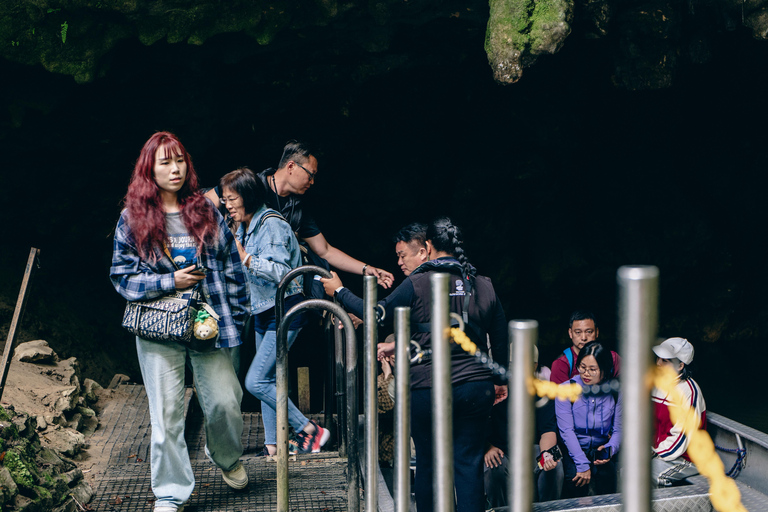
464	367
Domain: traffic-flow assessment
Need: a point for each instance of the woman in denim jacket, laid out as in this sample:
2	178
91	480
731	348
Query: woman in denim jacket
590	427
269	250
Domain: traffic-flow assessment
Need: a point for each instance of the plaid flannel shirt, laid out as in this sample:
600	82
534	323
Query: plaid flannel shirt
225	286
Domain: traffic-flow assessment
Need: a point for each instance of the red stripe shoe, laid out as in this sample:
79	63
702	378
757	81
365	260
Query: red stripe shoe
311	443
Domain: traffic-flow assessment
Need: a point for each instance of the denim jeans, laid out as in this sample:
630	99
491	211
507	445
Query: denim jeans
472	402
219	393
260	381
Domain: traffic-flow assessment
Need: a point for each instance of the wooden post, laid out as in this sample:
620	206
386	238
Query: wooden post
303	377
21	302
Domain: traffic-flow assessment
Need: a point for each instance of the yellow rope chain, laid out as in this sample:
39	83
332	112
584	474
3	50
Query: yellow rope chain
723	492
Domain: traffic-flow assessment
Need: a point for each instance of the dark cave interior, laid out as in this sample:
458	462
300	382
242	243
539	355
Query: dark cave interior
557	180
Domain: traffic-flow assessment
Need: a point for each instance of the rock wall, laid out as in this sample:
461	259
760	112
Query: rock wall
45	418
650	39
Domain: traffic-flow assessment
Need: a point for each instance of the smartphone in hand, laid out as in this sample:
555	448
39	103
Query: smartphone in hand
553	452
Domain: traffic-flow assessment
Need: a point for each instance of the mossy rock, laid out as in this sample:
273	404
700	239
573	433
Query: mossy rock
19	470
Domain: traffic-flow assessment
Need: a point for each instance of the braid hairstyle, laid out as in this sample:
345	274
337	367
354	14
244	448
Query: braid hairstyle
445	236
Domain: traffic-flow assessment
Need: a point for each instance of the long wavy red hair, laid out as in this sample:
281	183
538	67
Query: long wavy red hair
146	216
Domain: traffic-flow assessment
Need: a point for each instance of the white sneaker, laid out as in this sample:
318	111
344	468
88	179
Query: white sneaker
168	508
236	478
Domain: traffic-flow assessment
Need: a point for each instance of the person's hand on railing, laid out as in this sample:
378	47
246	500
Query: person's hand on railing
332	284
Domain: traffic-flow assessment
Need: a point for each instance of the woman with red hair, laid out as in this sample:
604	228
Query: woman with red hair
169	237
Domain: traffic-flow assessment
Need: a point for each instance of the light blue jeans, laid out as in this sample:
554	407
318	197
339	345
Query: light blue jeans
219	393
260	381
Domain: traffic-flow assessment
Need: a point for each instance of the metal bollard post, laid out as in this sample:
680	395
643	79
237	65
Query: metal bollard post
341	379
522	335
442	397
638	324
371	394
353	467
353	470
402	428
329	400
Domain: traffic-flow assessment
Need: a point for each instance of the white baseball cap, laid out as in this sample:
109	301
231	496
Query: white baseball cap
675	348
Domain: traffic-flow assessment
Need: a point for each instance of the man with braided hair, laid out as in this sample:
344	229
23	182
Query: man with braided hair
474	392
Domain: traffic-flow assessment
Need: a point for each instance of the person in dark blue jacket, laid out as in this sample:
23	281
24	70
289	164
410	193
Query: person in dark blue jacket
474	392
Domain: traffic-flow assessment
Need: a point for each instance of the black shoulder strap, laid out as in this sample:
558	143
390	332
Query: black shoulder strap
271	215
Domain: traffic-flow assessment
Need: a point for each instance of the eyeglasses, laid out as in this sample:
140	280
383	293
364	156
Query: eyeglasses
310	174
231	200
590	371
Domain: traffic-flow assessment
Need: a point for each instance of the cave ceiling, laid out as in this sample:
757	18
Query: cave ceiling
649	40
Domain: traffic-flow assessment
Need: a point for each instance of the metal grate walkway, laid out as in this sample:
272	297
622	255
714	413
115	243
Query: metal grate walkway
317	481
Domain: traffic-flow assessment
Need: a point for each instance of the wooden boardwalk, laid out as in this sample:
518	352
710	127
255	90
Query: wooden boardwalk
121	479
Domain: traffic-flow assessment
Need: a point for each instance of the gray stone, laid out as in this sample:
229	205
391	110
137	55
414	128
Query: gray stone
36	352
66	401
72	477
24	424
90	425
50	457
118	379
64	440
82	492
90	387
86	411
68	506
8	488
76	422
758	23
42	424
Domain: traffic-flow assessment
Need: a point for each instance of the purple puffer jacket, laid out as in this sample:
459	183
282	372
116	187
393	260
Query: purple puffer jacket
588	423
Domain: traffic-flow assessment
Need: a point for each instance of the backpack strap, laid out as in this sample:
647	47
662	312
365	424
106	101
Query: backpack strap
569	357
271	215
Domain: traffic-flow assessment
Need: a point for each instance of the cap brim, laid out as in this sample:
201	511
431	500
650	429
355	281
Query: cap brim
663	352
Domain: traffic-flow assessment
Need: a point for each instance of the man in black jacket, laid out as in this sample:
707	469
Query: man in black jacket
285	186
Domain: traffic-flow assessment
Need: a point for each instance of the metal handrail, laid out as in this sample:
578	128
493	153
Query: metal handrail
286	280
371	397
353	470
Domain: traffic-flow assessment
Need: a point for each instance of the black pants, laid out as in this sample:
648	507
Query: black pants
472	402
603	480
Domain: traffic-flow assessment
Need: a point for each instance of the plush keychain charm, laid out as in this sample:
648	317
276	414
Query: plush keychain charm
206	323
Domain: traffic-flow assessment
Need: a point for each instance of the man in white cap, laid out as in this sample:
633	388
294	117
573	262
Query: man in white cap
671	463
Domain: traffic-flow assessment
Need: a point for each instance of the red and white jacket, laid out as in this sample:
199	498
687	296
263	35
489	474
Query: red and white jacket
670	442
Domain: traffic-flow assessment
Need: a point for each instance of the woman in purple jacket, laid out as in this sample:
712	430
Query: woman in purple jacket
590	427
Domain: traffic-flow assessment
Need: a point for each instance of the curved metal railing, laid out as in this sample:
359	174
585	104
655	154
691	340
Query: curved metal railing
283	321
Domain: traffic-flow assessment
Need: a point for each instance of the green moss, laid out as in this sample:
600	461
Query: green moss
43	493
550	25
18	470
506	37
4	415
